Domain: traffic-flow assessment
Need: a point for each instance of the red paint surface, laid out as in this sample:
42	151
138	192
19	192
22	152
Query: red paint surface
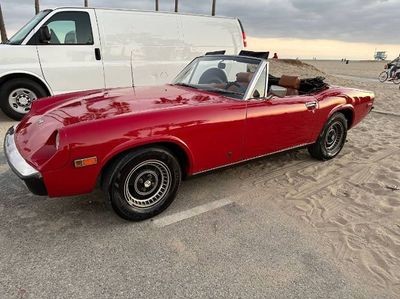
211	129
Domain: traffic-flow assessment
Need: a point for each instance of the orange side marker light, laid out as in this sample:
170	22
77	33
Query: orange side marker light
85	162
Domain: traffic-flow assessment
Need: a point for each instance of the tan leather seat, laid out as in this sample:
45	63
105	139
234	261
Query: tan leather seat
244	77
292	83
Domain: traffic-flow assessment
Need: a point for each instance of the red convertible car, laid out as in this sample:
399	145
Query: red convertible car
139	142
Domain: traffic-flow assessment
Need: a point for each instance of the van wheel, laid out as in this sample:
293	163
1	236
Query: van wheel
143	183
17	95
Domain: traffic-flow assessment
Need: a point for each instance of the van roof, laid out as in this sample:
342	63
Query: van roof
142	10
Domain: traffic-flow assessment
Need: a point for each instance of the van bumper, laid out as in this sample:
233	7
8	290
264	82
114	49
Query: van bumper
32	178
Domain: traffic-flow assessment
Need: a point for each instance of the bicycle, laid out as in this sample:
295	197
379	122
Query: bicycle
384	76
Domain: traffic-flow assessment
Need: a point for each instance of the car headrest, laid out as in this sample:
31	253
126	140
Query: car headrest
289	82
244	77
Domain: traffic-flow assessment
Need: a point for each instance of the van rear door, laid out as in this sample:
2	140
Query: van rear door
71	60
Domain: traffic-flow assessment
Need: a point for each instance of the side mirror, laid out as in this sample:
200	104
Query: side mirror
44	35
278	91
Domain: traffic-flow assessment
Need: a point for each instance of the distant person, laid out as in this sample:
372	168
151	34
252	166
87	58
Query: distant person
393	67
275	56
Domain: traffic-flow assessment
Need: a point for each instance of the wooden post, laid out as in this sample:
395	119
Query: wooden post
213	7
2	27
37	7
86	3
176	5
157	5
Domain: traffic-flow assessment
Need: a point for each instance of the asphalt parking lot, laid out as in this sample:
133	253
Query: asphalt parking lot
220	238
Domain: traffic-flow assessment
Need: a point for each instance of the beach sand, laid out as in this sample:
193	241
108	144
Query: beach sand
354	199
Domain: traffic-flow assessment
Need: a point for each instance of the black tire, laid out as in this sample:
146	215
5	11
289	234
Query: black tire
143	183
383	76
9	87
332	138
396	80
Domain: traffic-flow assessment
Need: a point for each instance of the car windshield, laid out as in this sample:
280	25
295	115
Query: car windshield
19	37
226	75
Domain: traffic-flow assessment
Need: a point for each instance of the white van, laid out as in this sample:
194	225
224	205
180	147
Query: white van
71	49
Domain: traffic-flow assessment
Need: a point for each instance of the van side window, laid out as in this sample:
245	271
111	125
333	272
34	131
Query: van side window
70	28
259	89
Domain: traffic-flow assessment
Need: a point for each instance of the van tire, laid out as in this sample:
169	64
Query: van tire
32	89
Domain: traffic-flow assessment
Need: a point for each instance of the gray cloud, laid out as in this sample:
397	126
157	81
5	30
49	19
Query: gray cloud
373	21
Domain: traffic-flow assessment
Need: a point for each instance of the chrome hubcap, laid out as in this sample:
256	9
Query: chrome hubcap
334	138
21	99
147	184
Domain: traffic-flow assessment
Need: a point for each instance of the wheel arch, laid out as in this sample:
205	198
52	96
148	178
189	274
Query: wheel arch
347	111
26	75
180	151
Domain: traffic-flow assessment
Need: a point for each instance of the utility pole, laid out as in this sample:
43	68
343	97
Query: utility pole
37	6
176	5
2	27
86	3
213	7
156	5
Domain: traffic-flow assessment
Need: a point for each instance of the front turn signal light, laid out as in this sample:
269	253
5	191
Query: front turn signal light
85	162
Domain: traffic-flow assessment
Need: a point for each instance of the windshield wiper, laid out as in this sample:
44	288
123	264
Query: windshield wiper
186	85
225	91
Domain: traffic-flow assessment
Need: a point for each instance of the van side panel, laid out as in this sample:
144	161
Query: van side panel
207	34
151	40
19	59
149	48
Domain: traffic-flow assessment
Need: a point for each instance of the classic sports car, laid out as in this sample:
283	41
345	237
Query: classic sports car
139	142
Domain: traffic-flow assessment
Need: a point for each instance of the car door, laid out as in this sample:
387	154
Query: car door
274	124
71	60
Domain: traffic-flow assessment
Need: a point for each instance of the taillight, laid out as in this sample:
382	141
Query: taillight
244	39
243	34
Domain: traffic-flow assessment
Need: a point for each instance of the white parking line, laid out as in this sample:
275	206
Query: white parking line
170	219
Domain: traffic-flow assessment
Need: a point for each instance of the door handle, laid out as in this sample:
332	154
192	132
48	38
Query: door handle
311	105
97	53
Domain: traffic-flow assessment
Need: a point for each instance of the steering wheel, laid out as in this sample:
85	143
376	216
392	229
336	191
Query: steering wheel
230	84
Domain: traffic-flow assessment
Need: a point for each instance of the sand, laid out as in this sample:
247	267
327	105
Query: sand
354	199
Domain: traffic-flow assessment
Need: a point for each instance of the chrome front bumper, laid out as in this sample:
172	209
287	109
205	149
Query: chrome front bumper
32	178
14	158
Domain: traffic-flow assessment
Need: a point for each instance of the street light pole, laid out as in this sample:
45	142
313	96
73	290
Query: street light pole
37	6
213	7
157	5
176	5
86	3
2	27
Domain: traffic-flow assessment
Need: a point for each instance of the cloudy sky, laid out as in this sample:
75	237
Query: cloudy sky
293	28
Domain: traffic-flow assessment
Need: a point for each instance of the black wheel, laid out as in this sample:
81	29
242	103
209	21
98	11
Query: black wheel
332	138
143	183
383	76
17	95
396	79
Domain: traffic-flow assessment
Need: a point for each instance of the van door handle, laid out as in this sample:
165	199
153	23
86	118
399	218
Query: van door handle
97	53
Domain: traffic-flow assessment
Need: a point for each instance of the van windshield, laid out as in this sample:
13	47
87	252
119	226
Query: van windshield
19	37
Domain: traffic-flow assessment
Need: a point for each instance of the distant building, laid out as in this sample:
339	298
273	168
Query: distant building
380	55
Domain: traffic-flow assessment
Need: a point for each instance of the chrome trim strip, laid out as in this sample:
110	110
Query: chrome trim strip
253	158
255	78
14	158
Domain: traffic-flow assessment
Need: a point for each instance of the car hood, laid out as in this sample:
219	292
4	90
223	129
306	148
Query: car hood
102	104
